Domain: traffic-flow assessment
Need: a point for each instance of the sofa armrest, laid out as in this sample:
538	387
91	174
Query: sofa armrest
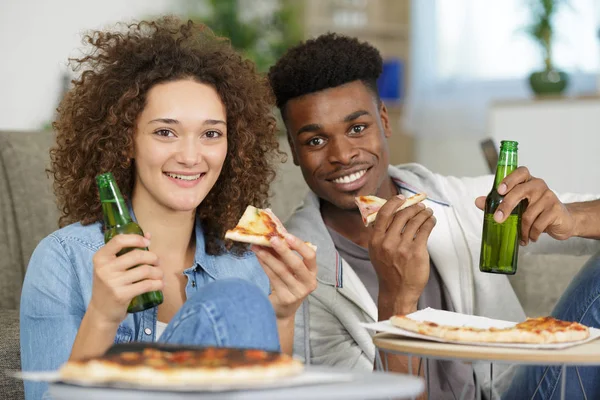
10	355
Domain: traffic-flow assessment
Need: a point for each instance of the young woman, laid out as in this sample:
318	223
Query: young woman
185	125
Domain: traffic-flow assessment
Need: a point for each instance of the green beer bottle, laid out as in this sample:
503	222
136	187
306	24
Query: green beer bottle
118	221
500	242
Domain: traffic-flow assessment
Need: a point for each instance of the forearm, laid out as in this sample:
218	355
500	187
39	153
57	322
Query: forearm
285	327
587	218
93	337
387	307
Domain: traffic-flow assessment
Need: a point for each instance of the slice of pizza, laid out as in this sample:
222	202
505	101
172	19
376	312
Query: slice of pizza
369	206
542	330
258	226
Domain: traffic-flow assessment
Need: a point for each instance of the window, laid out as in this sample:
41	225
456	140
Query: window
466	54
485	40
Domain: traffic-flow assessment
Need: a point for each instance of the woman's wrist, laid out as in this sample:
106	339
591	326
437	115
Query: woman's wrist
286	321
94	337
99	321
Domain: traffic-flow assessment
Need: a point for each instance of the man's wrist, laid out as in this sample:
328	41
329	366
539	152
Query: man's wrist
576	215
586	219
403	308
396	304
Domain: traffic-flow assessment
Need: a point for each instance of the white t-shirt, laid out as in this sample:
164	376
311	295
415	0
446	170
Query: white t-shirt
160	328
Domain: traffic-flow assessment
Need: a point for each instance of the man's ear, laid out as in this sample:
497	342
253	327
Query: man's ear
385	120
292	148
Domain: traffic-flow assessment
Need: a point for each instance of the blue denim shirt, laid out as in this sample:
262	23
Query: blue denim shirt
58	288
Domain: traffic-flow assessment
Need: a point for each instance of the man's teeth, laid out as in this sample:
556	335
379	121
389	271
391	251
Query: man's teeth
184	177
351	177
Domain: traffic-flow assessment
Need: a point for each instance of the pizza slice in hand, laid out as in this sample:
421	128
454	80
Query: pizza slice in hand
369	205
258	226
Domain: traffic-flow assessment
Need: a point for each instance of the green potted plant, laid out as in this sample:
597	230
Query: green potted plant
261	38
549	81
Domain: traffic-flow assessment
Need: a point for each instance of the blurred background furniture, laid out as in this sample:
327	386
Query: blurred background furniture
490	150
27	214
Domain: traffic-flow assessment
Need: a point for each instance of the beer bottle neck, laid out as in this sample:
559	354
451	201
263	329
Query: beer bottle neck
114	208
116	213
507	163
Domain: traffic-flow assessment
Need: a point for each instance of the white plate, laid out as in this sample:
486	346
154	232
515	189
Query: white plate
307	377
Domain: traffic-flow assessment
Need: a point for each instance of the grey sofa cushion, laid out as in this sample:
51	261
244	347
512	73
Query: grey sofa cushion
11	261
10	359
27	209
288	189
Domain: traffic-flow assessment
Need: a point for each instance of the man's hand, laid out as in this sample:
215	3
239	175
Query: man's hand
544	212
398	252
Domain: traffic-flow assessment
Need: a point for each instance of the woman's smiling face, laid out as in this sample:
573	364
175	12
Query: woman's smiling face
180	144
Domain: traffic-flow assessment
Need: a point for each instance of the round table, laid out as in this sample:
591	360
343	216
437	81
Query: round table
362	385
578	355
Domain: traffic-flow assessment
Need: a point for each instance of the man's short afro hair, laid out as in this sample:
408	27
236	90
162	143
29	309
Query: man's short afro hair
327	61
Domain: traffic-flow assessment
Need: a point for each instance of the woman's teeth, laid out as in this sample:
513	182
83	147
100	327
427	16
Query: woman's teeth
184	177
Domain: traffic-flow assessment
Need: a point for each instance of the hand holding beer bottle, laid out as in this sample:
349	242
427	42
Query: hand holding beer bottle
125	275
500	239
518	196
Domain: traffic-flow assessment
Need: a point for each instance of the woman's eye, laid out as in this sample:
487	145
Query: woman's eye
315	141
164	133
213	134
357	129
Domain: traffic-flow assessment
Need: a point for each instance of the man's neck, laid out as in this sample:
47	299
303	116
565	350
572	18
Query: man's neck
172	232
348	223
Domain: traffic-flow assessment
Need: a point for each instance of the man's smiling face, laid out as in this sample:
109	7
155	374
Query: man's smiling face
338	138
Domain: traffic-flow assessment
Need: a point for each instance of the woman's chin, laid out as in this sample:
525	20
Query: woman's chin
184	205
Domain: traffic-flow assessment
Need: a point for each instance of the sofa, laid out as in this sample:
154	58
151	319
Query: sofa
28	213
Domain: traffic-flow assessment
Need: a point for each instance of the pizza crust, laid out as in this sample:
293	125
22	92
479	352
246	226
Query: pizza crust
154	373
246	238
99	372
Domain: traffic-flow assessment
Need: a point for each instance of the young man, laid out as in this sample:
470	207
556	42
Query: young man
338	128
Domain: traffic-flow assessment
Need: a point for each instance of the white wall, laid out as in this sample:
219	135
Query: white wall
37	37
455	155
558	140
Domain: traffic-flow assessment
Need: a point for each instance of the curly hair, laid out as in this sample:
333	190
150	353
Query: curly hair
327	61
96	120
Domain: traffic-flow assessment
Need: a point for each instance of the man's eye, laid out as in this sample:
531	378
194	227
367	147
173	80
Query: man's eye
164	133
315	142
357	129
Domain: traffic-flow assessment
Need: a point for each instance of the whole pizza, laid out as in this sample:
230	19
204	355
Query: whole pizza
542	330
164	368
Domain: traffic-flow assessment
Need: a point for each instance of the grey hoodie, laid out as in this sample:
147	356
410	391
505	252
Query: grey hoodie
328	329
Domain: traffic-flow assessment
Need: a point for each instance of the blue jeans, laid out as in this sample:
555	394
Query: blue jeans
225	313
581	303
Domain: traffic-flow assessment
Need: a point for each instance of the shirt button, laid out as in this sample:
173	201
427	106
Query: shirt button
148	331
193	283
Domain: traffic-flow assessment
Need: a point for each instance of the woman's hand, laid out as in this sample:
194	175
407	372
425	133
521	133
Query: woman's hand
116	281
293	276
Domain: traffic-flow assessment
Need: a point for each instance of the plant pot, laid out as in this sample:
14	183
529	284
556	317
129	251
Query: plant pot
548	82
